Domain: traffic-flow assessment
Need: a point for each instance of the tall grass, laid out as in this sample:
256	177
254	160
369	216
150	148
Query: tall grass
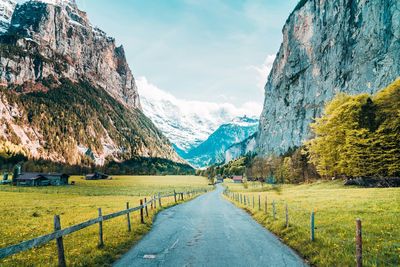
336	209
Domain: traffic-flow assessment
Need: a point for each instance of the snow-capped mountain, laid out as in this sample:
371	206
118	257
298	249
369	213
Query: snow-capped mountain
6	10
186	123
212	151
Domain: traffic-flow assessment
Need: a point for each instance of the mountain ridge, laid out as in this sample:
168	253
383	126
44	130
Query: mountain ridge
67	92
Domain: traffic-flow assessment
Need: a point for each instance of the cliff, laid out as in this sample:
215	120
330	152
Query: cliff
58	40
328	47
67	93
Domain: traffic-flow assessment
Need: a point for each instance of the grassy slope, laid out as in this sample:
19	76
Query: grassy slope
28	213
336	208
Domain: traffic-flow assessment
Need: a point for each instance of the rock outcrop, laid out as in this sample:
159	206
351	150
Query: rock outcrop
6	10
328	47
65	45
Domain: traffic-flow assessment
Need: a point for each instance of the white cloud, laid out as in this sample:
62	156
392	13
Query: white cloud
263	71
201	108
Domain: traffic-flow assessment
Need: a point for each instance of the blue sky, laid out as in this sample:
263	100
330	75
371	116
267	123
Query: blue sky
208	50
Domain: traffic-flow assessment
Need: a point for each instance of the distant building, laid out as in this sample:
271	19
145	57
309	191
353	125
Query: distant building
220	179
41	179
96	176
237	179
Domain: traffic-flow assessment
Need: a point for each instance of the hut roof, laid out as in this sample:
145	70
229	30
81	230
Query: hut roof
237	178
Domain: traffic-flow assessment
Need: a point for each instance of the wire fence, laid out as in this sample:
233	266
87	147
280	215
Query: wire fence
154	204
361	246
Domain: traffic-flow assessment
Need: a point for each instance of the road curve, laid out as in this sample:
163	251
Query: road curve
209	231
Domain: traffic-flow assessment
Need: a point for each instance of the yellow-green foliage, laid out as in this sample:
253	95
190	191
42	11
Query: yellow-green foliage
27	213
8	149
359	135
337	208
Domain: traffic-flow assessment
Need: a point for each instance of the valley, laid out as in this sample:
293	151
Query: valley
215	133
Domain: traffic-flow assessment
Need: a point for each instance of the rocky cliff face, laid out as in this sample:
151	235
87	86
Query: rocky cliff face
67	93
328	47
6	10
239	149
65	45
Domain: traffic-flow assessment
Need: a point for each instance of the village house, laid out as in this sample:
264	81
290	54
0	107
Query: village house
41	179
237	179
96	176
220	179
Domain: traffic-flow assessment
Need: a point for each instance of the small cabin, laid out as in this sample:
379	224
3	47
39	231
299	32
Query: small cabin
220	179
237	179
96	176
41	179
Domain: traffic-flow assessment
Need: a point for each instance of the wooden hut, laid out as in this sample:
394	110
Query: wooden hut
96	176
41	179
237	179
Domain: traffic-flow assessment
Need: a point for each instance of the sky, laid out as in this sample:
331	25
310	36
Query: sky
205	50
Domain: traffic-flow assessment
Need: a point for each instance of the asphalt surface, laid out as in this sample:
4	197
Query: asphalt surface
209	231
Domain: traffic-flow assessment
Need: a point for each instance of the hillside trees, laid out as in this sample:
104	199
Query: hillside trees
358	136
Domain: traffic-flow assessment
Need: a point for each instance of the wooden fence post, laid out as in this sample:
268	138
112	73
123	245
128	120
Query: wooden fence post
159	200
151	203
287	216
175	196
241	199
60	244
182	196
155	201
359	243
101	240
273	209
259	202
245	200
128	217
312	230
145	207
266	204
253	201
141	211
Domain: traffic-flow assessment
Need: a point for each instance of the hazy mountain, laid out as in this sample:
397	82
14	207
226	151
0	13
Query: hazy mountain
213	150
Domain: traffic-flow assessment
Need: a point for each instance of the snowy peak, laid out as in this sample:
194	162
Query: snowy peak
245	121
7	8
187	123
71	3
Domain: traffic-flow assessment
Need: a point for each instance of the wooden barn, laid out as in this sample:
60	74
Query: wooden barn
41	179
96	176
237	179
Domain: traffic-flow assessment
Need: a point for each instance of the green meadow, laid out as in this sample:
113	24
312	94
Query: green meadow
336	209
27	212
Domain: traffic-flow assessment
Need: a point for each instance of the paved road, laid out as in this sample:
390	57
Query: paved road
208	231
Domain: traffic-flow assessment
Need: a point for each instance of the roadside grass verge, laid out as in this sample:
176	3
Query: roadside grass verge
28	213
336	209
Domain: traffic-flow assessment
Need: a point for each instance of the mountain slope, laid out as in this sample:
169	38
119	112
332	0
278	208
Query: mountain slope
212	150
186	123
328	47
67	92
237	150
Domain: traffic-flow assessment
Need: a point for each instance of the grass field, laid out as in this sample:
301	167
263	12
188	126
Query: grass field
28	212
337	208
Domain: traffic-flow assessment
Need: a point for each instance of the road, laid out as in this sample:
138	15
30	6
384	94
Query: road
209	231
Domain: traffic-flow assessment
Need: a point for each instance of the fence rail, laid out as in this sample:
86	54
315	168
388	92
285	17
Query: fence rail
59	233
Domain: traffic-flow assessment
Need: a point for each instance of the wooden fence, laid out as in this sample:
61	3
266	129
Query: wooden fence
59	233
358	237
